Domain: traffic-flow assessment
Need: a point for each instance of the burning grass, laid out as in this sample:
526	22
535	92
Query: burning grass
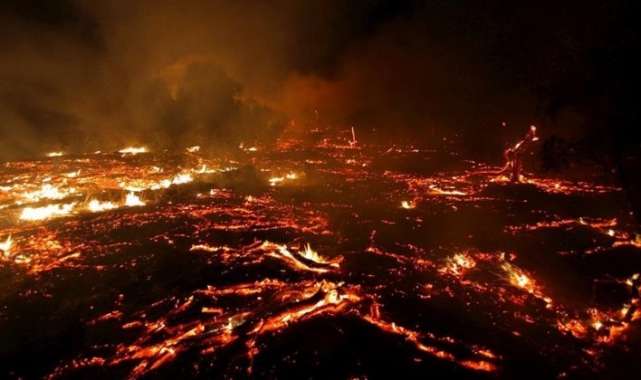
332	264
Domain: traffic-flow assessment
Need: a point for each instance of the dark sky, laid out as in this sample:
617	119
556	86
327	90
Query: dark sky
97	74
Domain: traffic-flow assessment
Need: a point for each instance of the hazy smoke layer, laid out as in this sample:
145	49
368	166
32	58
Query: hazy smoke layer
88	74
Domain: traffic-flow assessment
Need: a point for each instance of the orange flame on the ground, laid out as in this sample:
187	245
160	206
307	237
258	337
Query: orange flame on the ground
5	247
133	200
97	206
133	150
458	264
312	255
408	204
46	212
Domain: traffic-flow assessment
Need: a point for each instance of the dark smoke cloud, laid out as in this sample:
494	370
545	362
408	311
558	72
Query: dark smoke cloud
86	75
99	74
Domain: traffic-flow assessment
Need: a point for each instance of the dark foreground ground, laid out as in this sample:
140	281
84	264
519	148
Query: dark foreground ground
423	268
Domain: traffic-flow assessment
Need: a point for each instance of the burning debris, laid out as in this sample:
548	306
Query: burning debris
513	156
132	151
5	247
200	263
408	205
352	142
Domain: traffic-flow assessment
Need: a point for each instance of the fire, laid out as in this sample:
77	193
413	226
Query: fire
312	255
97	206
48	191
437	191
458	264
133	150
46	212
239	307
177	180
408	205
520	279
6	247
55	154
624	310
630	281
274	180
307	260
352	142
133	200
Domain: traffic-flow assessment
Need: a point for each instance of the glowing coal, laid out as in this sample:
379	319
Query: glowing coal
221	272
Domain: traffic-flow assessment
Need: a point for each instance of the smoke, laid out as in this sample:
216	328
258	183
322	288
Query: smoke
83	75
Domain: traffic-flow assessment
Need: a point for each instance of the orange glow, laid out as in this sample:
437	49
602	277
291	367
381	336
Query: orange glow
133	150
408	205
97	206
5	247
46	212
307	260
133	200
369	254
458	264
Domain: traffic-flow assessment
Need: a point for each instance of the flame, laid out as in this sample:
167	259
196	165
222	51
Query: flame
133	200
46	212
177	180
97	206
458	264
408	205
55	154
434	190
275	305
47	191
133	150
6	247
312	255
274	180
624	310
519	278
297	261
182	179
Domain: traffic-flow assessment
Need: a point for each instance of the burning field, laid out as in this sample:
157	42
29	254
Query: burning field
312	260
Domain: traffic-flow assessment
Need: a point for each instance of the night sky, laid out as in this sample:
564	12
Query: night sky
86	75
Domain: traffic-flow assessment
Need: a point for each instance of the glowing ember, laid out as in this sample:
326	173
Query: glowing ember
55	154
195	285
